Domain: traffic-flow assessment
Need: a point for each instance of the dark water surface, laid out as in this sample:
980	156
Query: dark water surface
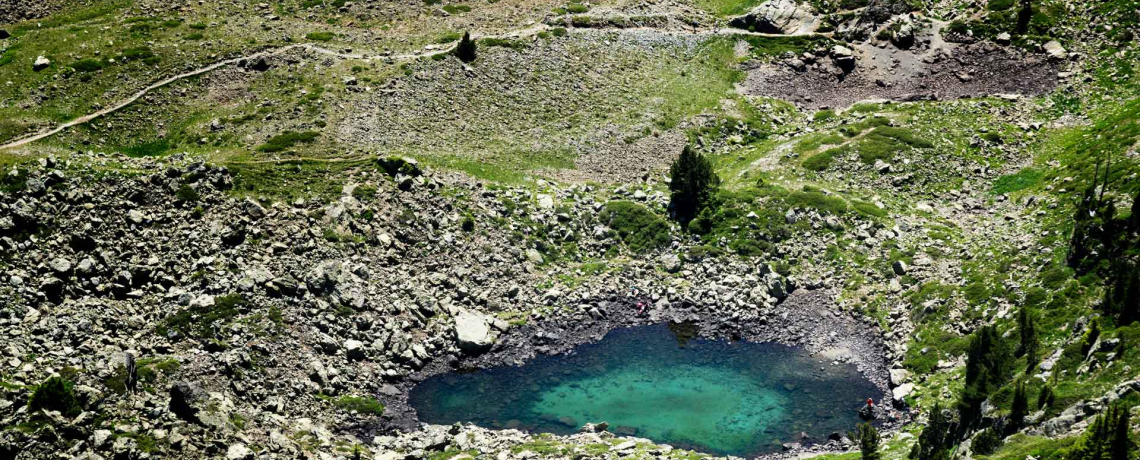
661	383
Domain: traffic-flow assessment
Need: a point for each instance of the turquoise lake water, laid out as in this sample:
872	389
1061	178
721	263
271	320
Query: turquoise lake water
659	382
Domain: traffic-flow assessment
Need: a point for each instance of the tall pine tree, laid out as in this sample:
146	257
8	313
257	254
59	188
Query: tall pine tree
692	185
1028	347
935	440
869	439
988	364
465	50
1019	408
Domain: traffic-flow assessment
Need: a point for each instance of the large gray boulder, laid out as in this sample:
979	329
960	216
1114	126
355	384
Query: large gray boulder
473	332
778	17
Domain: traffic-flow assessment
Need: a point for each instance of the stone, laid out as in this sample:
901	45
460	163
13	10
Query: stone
41	63
354	349
545	201
1003	38
778	17
1055	51
4	34
136	216
253	209
238	451
899	376
534	256
882	167
899	267
902	391
473	332
791	217
61	265
670	262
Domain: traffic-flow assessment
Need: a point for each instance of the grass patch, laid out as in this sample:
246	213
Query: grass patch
320	36
362	405
727	7
287	140
456	9
1016	182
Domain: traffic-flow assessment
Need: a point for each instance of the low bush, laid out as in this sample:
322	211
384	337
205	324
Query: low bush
204	321
320	36
638	228
55	394
362	405
287	140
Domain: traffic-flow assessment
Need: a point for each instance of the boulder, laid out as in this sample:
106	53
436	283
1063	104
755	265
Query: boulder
4	34
778	17
192	403
253	209
1003	38
1055	50
473	333
354	349
899	267
41	63
902	391
670	263
238	451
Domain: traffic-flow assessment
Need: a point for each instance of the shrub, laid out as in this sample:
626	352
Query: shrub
577	8
465	50
821	160
55	394
187	194
986	442
137	54
637	227
456	9
204	321
320	36
559	32
693	184
192	37
364	192
823	115
287	140
88	65
198	26
362	405
468	224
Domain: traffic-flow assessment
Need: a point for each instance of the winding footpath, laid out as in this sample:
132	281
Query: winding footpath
521	33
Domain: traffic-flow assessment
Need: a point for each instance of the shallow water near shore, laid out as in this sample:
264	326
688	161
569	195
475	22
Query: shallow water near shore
662	383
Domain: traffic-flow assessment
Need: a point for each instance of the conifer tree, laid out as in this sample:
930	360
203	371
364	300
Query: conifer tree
935	439
692	185
1028	347
465	51
869	439
1019	408
1122	437
987	369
